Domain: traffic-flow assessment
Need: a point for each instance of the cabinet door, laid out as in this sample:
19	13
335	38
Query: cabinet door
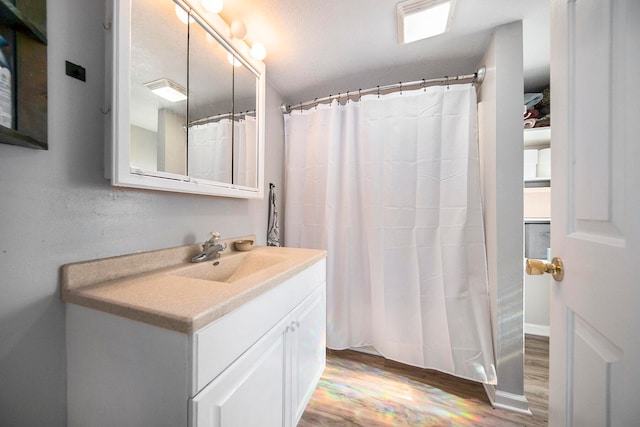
250	392
308	349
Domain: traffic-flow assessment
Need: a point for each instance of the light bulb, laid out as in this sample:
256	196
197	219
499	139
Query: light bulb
233	60
258	51
183	15
238	30
213	6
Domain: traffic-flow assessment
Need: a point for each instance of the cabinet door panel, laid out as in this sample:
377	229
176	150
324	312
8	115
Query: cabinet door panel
309	353
248	393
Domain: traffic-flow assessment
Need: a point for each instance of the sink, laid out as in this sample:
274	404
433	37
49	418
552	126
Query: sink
229	268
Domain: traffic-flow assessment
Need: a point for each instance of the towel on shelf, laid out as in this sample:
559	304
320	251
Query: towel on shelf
273	232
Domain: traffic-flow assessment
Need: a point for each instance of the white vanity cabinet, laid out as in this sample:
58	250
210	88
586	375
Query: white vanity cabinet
271	383
254	366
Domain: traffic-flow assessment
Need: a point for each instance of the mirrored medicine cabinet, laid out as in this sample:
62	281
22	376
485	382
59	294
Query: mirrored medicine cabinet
187	102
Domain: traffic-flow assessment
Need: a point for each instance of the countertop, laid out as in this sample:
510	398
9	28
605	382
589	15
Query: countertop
142	287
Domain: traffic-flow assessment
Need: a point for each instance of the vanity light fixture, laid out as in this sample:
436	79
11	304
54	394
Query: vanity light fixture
183	15
233	60
258	51
167	89
238	30
213	6
421	19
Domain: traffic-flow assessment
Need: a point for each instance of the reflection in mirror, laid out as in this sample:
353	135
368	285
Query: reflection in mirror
210	104
245	159
158	69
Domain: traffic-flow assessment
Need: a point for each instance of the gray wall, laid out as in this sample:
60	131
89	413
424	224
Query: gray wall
57	208
501	144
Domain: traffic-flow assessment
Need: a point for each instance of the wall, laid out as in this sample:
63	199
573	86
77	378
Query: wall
501	144
57	208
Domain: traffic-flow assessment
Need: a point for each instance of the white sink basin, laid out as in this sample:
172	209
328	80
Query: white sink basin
229	268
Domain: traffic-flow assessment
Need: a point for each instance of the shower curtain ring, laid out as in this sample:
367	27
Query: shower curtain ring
359	94
424	85
347	97
315	101
378	91
400	83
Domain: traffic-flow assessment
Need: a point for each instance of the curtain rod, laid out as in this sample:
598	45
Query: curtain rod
476	78
210	119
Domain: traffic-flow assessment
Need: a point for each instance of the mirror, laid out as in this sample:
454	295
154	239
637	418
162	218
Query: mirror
244	101
210	106
207	135
159	52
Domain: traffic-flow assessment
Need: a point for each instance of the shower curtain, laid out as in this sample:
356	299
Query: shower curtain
210	151
389	186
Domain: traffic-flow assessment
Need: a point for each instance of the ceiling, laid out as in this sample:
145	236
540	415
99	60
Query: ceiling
320	47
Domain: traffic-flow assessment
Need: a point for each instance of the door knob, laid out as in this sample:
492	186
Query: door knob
555	267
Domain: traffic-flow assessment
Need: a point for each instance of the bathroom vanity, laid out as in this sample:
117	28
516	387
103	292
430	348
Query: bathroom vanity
155	340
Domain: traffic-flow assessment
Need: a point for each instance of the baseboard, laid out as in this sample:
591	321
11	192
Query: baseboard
509	401
533	329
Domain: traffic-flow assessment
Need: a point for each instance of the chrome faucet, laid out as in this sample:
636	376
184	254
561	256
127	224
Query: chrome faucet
210	249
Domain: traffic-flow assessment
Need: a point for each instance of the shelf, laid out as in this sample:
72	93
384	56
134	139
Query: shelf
537	182
13	137
11	16
537	137
27	56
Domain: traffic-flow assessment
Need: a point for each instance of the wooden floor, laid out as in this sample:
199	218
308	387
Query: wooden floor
363	390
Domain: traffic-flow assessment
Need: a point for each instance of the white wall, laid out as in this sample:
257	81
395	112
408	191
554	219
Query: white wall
501	145
57	208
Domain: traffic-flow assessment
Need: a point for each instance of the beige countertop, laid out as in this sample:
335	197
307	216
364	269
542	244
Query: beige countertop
144	286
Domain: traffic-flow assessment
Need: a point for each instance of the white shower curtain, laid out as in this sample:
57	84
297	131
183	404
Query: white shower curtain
389	186
210	151
245	154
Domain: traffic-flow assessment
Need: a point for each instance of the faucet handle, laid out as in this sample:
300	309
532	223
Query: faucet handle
214	236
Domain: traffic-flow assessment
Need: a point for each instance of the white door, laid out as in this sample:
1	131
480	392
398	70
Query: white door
595	310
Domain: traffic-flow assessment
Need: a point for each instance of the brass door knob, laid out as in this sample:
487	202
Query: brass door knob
555	267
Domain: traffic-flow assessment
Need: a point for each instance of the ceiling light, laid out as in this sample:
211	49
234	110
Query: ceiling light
258	51
422	19
213	6
167	89
183	15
